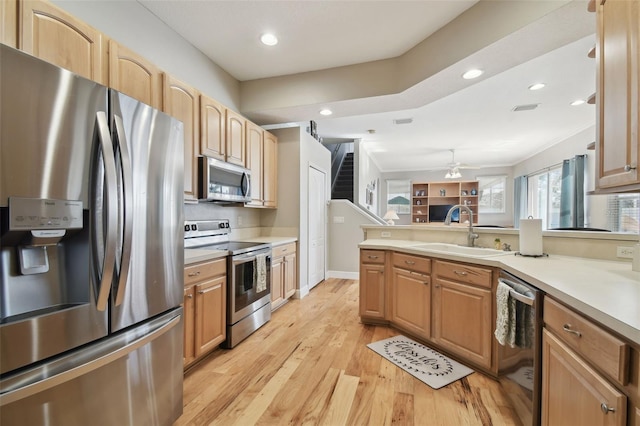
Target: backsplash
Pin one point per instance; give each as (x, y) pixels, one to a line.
(239, 217)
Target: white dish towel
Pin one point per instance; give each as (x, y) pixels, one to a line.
(506, 316)
(260, 269)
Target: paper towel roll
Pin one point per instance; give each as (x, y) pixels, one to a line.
(531, 237)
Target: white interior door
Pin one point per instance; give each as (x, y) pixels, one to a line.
(317, 230)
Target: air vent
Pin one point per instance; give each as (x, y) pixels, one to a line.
(403, 121)
(528, 107)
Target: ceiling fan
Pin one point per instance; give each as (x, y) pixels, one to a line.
(454, 167)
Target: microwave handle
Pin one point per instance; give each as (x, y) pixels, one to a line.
(245, 184)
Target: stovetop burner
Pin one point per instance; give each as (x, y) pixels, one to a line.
(214, 235)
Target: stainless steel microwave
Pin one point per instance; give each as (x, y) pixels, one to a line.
(223, 182)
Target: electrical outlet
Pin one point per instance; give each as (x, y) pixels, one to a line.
(625, 252)
(385, 234)
(239, 220)
(338, 219)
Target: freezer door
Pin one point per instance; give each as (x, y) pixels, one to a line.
(150, 255)
(132, 378)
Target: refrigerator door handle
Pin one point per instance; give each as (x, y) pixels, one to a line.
(127, 184)
(102, 131)
(102, 359)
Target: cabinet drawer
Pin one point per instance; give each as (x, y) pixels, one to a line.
(589, 340)
(201, 271)
(464, 273)
(283, 250)
(372, 256)
(412, 263)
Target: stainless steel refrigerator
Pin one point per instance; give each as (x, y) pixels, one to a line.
(91, 252)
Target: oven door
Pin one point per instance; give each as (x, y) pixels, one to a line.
(247, 291)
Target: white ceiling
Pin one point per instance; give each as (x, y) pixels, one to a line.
(475, 119)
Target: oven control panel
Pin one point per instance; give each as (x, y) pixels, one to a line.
(206, 228)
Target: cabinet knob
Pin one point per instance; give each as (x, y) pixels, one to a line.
(201, 292)
(372, 257)
(629, 167)
(436, 286)
(194, 274)
(409, 262)
(189, 296)
(463, 273)
(567, 328)
(606, 409)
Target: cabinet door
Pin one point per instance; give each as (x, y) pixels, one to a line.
(411, 301)
(212, 120)
(188, 317)
(210, 314)
(372, 291)
(254, 162)
(9, 21)
(270, 173)
(573, 393)
(462, 320)
(618, 83)
(235, 138)
(182, 101)
(277, 281)
(55, 36)
(134, 76)
(290, 275)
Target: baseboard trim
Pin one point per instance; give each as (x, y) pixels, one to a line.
(347, 275)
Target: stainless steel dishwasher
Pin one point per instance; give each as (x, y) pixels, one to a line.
(519, 368)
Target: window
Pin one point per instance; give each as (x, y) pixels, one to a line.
(623, 213)
(544, 196)
(399, 196)
(492, 194)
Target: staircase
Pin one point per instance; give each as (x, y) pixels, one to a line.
(342, 188)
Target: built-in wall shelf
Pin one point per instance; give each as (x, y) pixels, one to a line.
(430, 201)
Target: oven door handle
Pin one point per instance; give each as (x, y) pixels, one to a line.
(244, 258)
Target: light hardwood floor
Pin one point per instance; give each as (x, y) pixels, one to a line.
(310, 365)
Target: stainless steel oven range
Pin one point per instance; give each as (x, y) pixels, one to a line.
(248, 276)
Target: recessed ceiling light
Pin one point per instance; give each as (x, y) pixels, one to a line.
(472, 74)
(326, 111)
(577, 102)
(536, 86)
(269, 39)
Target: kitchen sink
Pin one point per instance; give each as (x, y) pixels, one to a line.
(461, 250)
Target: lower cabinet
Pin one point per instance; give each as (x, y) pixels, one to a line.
(411, 294)
(461, 306)
(283, 274)
(204, 308)
(574, 393)
(372, 285)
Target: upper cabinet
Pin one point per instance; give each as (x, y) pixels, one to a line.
(270, 170)
(235, 132)
(255, 156)
(133, 75)
(55, 36)
(617, 88)
(9, 23)
(182, 102)
(213, 124)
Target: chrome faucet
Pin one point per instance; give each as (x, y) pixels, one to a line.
(471, 236)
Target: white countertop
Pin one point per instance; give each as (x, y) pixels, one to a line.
(606, 291)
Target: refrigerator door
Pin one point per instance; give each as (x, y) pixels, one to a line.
(132, 378)
(150, 255)
(48, 118)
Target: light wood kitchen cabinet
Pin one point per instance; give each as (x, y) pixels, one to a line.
(204, 308)
(236, 138)
(270, 170)
(134, 76)
(9, 21)
(411, 294)
(255, 158)
(283, 274)
(213, 141)
(462, 315)
(182, 102)
(372, 285)
(617, 89)
(51, 34)
(574, 393)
